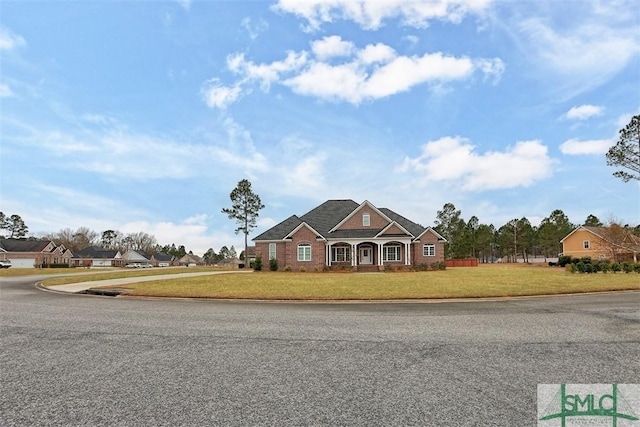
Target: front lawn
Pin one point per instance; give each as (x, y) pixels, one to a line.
(484, 281)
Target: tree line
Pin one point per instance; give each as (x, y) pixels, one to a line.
(14, 227)
(517, 239)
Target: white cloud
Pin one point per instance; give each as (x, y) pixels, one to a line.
(454, 160)
(583, 112)
(371, 14)
(352, 75)
(330, 47)
(9, 40)
(586, 54)
(5, 91)
(577, 147)
(216, 95)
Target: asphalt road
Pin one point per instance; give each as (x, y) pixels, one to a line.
(85, 360)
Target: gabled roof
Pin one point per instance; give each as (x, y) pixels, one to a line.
(96, 252)
(597, 231)
(161, 256)
(303, 224)
(20, 245)
(281, 230)
(325, 218)
(329, 214)
(353, 212)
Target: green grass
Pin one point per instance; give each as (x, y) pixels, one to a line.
(483, 281)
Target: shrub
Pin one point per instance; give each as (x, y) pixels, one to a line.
(421, 267)
(257, 263)
(580, 266)
(302, 269)
(388, 268)
(615, 267)
(605, 266)
(589, 268)
(564, 260)
(442, 265)
(273, 264)
(570, 267)
(627, 267)
(636, 267)
(287, 268)
(586, 259)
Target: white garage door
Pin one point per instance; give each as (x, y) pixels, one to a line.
(22, 262)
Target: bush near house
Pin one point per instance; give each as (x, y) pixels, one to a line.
(588, 266)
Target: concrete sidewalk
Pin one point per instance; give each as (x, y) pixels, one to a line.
(83, 286)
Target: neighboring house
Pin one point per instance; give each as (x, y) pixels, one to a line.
(161, 259)
(345, 234)
(598, 244)
(26, 253)
(139, 257)
(96, 256)
(190, 259)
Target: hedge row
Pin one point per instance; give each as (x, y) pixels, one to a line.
(587, 265)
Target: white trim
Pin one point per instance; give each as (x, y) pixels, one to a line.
(365, 203)
(431, 245)
(380, 234)
(397, 249)
(433, 231)
(305, 245)
(304, 224)
(370, 249)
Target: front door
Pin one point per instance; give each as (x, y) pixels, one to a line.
(366, 255)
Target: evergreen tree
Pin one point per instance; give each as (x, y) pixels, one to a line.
(626, 152)
(245, 208)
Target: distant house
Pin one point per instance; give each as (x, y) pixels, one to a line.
(96, 256)
(345, 234)
(139, 257)
(598, 243)
(26, 253)
(190, 259)
(161, 259)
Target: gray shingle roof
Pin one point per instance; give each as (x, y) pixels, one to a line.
(95, 252)
(326, 216)
(19, 245)
(279, 231)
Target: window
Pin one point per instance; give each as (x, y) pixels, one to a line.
(304, 252)
(429, 250)
(585, 244)
(391, 253)
(366, 220)
(340, 253)
(272, 251)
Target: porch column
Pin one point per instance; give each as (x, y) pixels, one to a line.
(354, 254)
(407, 257)
(327, 255)
(379, 254)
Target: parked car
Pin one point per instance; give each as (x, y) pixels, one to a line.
(5, 263)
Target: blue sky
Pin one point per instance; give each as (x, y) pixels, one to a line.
(144, 115)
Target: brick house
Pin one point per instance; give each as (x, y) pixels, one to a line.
(95, 256)
(345, 234)
(29, 253)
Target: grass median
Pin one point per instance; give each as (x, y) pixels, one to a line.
(471, 282)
